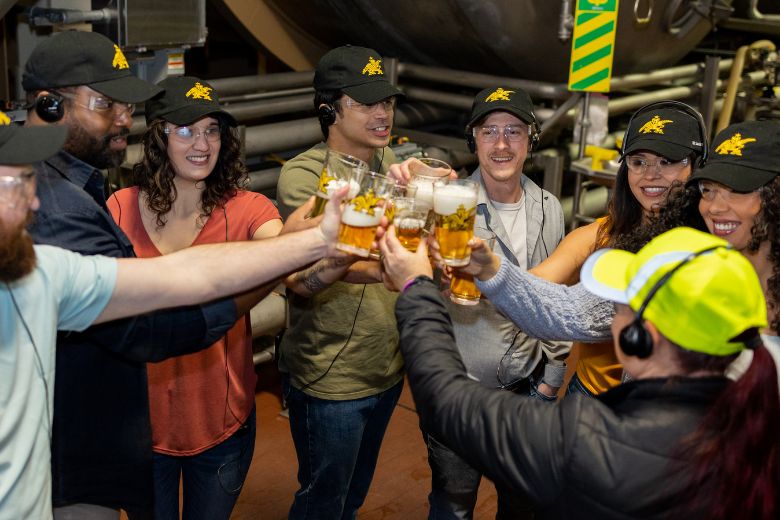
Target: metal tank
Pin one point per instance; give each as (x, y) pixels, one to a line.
(520, 38)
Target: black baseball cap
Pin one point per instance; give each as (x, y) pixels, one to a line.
(73, 58)
(355, 71)
(669, 132)
(28, 144)
(513, 100)
(184, 100)
(744, 157)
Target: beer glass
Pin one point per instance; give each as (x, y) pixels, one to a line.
(424, 172)
(454, 208)
(336, 172)
(399, 196)
(409, 225)
(363, 212)
(463, 290)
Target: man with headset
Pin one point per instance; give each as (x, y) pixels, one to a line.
(528, 224)
(101, 435)
(343, 371)
(43, 288)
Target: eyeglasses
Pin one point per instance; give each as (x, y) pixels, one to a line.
(102, 105)
(388, 105)
(639, 165)
(709, 190)
(17, 189)
(189, 134)
(489, 134)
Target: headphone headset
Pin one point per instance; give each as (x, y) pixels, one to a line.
(635, 339)
(326, 114)
(50, 107)
(682, 107)
(534, 135)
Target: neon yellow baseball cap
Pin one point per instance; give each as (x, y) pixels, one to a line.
(702, 306)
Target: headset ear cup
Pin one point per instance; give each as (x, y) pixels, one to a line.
(326, 115)
(469, 135)
(635, 340)
(534, 138)
(49, 107)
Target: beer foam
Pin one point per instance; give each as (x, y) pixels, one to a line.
(336, 184)
(409, 223)
(447, 198)
(360, 218)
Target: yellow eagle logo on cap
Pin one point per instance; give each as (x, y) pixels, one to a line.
(597, 2)
(199, 91)
(4, 119)
(499, 95)
(119, 62)
(654, 126)
(373, 67)
(734, 145)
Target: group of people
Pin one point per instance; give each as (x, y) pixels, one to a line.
(672, 291)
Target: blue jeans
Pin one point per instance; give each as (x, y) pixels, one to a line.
(576, 387)
(212, 479)
(337, 443)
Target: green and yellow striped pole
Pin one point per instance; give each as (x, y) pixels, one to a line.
(593, 45)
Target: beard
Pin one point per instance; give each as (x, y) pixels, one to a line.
(17, 256)
(94, 151)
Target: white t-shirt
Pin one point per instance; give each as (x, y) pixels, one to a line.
(513, 219)
(66, 291)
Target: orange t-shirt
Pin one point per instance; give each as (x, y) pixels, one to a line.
(198, 400)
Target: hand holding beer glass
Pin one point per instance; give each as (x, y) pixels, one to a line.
(455, 209)
(409, 224)
(363, 212)
(336, 172)
(463, 290)
(424, 173)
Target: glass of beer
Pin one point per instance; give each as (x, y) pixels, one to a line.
(454, 208)
(363, 212)
(425, 172)
(409, 225)
(399, 197)
(463, 290)
(336, 172)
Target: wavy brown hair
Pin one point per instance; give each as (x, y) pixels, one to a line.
(154, 174)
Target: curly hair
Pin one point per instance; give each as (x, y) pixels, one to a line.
(154, 174)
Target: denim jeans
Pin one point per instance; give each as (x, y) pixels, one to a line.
(212, 479)
(337, 443)
(576, 387)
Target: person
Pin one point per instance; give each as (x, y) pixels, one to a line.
(101, 452)
(339, 357)
(686, 304)
(187, 192)
(43, 288)
(528, 224)
(663, 144)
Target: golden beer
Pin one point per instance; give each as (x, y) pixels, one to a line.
(409, 227)
(319, 205)
(463, 290)
(337, 171)
(363, 214)
(455, 209)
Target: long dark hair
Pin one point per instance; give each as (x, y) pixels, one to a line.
(735, 470)
(154, 174)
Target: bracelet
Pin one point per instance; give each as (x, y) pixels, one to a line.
(416, 280)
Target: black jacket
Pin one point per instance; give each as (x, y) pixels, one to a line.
(611, 457)
(101, 434)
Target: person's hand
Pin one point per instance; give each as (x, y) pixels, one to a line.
(331, 220)
(400, 173)
(483, 264)
(402, 265)
(297, 220)
(547, 390)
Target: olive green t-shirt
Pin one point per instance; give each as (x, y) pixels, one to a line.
(355, 322)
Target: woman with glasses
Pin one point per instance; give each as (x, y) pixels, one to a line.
(188, 193)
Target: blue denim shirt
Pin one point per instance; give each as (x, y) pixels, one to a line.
(101, 435)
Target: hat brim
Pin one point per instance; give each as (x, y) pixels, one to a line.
(739, 178)
(672, 151)
(604, 274)
(372, 92)
(485, 110)
(127, 89)
(30, 144)
(190, 114)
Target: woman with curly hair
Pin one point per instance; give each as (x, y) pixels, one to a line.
(188, 192)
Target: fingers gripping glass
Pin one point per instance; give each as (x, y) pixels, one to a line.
(387, 104)
(189, 134)
(489, 134)
(639, 165)
(16, 191)
(101, 104)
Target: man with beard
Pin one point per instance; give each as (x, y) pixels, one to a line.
(43, 288)
(101, 434)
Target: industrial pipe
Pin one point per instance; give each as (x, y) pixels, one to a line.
(631, 81)
(44, 16)
(755, 14)
(277, 81)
